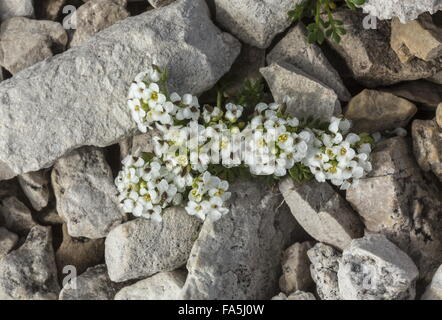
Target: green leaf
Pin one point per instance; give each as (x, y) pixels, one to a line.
(300, 173)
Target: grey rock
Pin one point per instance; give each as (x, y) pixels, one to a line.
(17, 216)
(24, 42)
(434, 289)
(8, 240)
(94, 16)
(29, 273)
(324, 271)
(93, 284)
(296, 50)
(35, 186)
(397, 200)
(322, 212)
(49, 216)
(237, 257)
(162, 286)
(371, 59)
(373, 268)
(85, 193)
(439, 115)
(47, 94)
(122, 3)
(160, 3)
(405, 10)
(16, 8)
(255, 22)
(49, 9)
(304, 95)
(142, 247)
(141, 142)
(297, 295)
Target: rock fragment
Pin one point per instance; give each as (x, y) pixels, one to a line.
(16, 215)
(35, 185)
(16, 8)
(297, 295)
(434, 289)
(7, 241)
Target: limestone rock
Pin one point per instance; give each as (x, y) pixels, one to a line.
(29, 273)
(373, 268)
(94, 16)
(7, 241)
(324, 271)
(49, 216)
(141, 142)
(296, 50)
(322, 212)
(297, 295)
(160, 3)
(434, 289)
(17, 216)
(16, 8)
(142, 247)
(94, 284)
(237, 257)
(371, 59)
(47, 93)
(397, 200)
(24, 42)
(162, 286)
(296, 268)
(49, 9)
(255, 22)
(35, 186)
(85, 193)
(304, 95)
(373, 111)
(439, 115)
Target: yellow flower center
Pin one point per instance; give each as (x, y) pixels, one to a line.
(147, 197)
(283, 137)
(154, 95)
(343, 152)
(332, 170)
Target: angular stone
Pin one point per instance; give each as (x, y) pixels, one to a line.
(122, 3)
(373, 111)
(322, 212)
(29, 273)
(35, 186)
(397, 200)
(439, 115)
(373, 268)
(369, 56)
(49, 216)
(142, 247)
(8, 240)
(297, 295)
(26, 42)
(49, 9)
(324, 271)
(86, 194)
(162, 286)
(308, 58)
(78, 252)
(434, 289)
(94, 16)
(141, 142)
(16, 8)
(94, 284)
(304, 95)
(255, 22)
(17, 216)
(237, 257)
(160, 3)
(47, 94)
(296, 268)
(405, 10)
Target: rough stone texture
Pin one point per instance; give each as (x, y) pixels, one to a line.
(94, 16)
(122, 3)
(439, 115)
(24, 42)
(427, 146)
(49, 9)
(420, 38)
(85, 193)
(324, 271)
(160, 3)
(298, 295)
(7, 241)
(397, 200)
(434, 289)
(304, 95)
(373, 268)
(142, 247)
(29, 273)
(255, 22)
(16, 215)
(296, 50)
(142, 142)
(162, 286)
(296, 268)
(16, 8)
(47, 93)
(35, 186)
(78, 252)
(405, 10)
(369, 56)
(94, 284)
(49, 216)
(322, 212)
(238, 256)
(373, 111)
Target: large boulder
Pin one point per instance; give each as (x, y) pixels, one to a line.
(434, 289)
(16, 8)
(79, 97)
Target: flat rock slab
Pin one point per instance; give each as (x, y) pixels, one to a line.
(79, 97)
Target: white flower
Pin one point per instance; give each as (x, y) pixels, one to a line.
(234, 112)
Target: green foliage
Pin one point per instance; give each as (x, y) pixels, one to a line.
(251, 93)
(300, 173)
(312, 123)
(322, 28)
